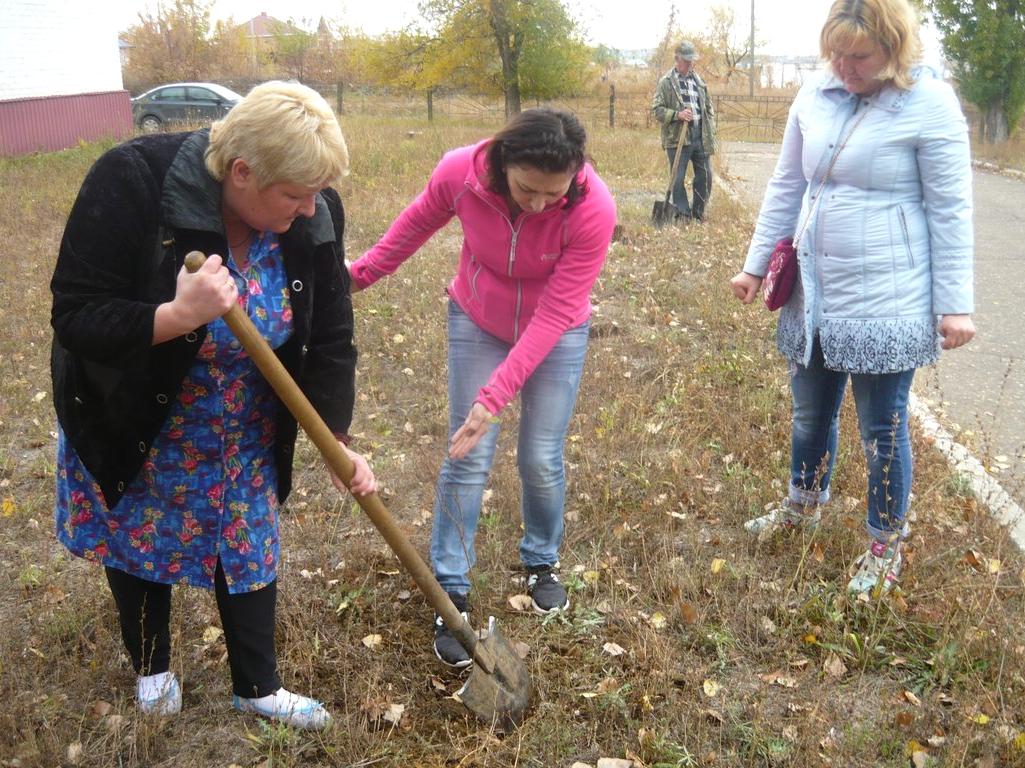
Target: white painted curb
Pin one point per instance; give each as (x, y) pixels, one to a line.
(989, 492)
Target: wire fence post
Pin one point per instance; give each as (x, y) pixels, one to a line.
(339, 98)
(430, 105)
(612, 105)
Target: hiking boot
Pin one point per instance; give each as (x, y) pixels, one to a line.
(158, 694)
(783, 516)
(880, 565)
(287, 707)
(447, 648)
(547, 595)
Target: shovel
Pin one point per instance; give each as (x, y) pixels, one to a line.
(498, 689)
(664, 212)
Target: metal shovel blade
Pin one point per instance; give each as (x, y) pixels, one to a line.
(663, 213)
(501, 696)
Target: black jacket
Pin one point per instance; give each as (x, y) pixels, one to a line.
(142, 207)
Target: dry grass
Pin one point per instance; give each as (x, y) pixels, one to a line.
(1007, 154)
(680, 435)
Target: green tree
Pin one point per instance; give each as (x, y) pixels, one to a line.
(539, 51)
(985, 42)
(294, 49)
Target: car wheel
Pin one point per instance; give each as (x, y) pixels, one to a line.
(150, 124)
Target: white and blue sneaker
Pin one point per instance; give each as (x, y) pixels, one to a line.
(158, 694)
(286, 707)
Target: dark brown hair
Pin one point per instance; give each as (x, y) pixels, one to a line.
(549, 140)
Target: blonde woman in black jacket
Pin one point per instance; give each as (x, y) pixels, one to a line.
(174, 454)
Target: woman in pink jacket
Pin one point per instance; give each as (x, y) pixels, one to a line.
(536, 222)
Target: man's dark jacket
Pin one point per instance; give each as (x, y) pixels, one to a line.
(142, 207)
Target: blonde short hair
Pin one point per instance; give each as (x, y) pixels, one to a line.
(285, 132)
(891, 24)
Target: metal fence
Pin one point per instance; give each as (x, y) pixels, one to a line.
(740, 117)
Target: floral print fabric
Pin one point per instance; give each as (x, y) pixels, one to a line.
(208, 487)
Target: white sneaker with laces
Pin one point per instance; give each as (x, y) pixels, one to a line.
(286, 707)
(158, 694)
(880, 565)
(782, 516)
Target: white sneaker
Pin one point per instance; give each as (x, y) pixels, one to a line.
(782, 516)
(879, 566)
(158, 694)
(286, 707)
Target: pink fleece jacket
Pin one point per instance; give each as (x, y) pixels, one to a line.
(526, 282)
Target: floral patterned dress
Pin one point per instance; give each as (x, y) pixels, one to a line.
(208, 487)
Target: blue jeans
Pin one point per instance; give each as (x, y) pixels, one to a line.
(692, 153)
(882, 405)
(547, 401)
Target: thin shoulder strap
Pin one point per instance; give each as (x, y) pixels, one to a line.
(828, 174)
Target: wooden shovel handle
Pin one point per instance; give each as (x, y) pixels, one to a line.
(296, 402)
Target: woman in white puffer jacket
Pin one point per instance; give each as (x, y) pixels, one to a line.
(875, 175)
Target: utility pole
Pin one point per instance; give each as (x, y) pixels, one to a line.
(751, 72)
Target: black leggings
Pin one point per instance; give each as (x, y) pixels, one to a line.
(144, 610)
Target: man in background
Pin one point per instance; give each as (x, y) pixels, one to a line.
(687, 116)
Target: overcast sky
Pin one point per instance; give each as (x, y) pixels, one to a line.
(782, 25)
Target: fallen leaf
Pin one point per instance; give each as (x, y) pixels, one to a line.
(717, 564)
(1019, 742)
(590, 577)
(438, 685)
(114, 723)
(921, 759)
(521, 648)
(372, 641)
(904, 719)
(7, 507)
(403, 595)
(974, 558)
(606, 685)
(714, 715)
(39, 396)
(810, 639)
(657, 620)
(912, 698)
(613, 649)
(74, 753)
(581, 765)
(980, 719)
(937, 741)
(614, 762)
(767, 625)
(101, 708)
(688, 613)
(818, 552)
(520, 602)
(834, 666)
(993, 566)
(711, 688)
(394, 712)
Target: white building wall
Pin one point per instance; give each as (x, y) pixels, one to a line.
(57, 48)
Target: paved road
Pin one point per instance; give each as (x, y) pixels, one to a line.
(980, 387)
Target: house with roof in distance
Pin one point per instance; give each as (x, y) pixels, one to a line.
(60, 76)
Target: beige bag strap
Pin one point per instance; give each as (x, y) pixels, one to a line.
(829, 173)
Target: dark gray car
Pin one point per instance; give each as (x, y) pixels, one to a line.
(177, 104)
